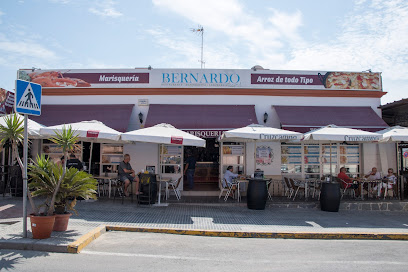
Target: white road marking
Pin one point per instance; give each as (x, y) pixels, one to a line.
(5, 207)
(292, 261)
(314, 224)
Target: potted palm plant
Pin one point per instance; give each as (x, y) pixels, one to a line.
(42, 223)
(49, 179)
(45, 175)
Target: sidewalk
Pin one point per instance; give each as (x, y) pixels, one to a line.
(278, 220)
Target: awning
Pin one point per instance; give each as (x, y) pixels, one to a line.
(206, 121)
(114, 116)
(304, 118)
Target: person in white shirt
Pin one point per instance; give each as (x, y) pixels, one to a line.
(388, 181)
(373, 174)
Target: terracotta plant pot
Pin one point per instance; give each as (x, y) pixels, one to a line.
(41, 226)
(61, 221)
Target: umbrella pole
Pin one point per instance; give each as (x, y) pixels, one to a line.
(330, 161)
(90, 159)
(254, 157)
(160, 170)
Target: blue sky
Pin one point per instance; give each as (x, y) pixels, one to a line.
(346, 35)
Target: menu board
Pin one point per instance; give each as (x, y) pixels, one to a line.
(171, 150)
(326, 149)
(353, 159)
(291, 159)
(311, 149)
(326, 159)
(264, 155)
(287, 149)
(312, 159)
(233, 150)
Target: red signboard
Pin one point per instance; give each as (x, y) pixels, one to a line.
(92, 133)
(176, 140)
(405, 154)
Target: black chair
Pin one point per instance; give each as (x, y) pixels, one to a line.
(147, 189)
(14, 181)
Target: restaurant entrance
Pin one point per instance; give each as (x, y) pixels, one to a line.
(207, 167)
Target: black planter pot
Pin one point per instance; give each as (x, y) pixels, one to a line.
(257, 194)
(330, 196)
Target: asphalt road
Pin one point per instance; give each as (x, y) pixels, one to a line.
(124, 251)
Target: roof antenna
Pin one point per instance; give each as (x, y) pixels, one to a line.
(200, 31)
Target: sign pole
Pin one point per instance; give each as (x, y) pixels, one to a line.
(27, 101)
(25, 190)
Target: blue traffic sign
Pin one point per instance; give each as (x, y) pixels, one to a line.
(28, 97)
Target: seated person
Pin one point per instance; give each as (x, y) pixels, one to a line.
(74, 162)
(343, 176)
(373, 174)
(228, 178)
(388, 181)
(127, 174)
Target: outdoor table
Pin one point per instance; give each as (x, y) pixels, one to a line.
(239, 181)
(165, 180)
(361, 181)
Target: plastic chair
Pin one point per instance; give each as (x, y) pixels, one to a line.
(221, 186)
(289, 187)
(346, 186)
(394, 189)
(268, 185)
(174, 185)
(296, 186)
(232, 186)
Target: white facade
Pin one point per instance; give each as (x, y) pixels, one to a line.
(382, 156)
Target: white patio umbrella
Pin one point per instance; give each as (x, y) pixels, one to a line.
(332, 134)
(259, 133)
(33, 126)
(394, 134)
(163, 134)
(90, 131)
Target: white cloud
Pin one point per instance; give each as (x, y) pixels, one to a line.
(106, 9)
(24, 48)
(60, 1)
(186, 51)
(372, 37)
(261, 37)
(1, 14)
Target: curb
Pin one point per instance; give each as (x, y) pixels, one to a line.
(31, 244)
(86, 239)
(280, 235)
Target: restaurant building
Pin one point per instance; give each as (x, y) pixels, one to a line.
(206, 102)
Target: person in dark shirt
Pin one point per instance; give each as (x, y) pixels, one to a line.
(74, 162)
(189, 169)
(127, 174)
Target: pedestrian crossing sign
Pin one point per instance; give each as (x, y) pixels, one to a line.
(28, 97)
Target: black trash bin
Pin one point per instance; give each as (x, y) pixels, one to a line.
(148, 189)
(257, 194)
(330, 196)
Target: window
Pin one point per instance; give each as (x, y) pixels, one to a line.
(233, 154)
(317, 159)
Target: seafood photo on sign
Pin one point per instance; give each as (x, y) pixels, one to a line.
(52, 79)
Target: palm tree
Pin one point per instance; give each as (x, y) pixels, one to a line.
(13, 132)
(67, 139)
